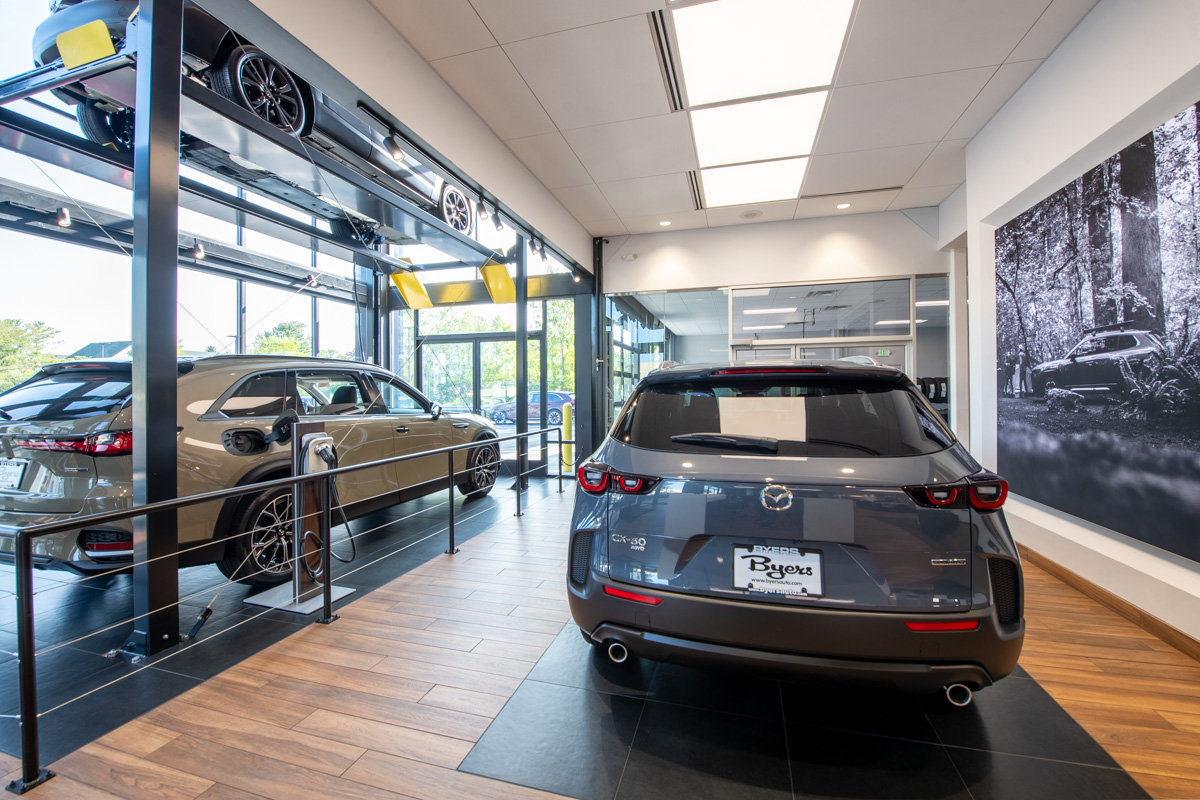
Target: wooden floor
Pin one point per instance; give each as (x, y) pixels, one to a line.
(388, 700)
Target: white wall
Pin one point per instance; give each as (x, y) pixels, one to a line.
(1127, 68)
(361, 44)
(794, 251)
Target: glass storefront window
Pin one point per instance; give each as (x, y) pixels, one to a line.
(207, 316)
(336, 332)
(278, 321)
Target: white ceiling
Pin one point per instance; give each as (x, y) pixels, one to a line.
(575, 88)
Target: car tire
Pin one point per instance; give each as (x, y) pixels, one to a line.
(264, 87)
(360, 232)
(260, 549)
(554, 417)
(499, 417)
(456, 210)
(114, 130)
(483, 463)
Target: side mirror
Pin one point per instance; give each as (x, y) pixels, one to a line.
(436, 410)
(281, 428)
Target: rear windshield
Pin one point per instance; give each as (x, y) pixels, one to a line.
(67, 395)
(784, 418)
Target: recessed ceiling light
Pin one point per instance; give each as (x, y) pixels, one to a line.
(843, 205)
(758, 131)
(629, 257)
(763, 327)
(753, 183)
(922, 303)
(791, 310)
(753, 213)
(665, 223)
(750, 48)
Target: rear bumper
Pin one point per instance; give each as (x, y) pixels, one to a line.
(817, 645)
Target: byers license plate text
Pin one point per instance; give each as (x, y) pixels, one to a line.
(778, 570)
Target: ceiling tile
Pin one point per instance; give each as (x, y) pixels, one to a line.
(585, 202)
(890, 40)
(680, 221)
(864, 203)
(593, 75)
(490, 84)
(732, 215)
(945, 166)
(635, 148)
(437, 30)
(605, 227)
(661, 194)
(1051, 28)
(511, 21)
(551, 159)
(894, 113)
(1003, 85)
(867, 169)
(919, 198)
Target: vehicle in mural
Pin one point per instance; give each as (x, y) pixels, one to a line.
(1099, 363)
(811, 520)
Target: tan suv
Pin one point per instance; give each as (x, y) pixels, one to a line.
(66, 445)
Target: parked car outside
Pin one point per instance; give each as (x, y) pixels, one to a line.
(237, 69)
(1095, 364)
(810, 520)
(66, 443)
(507, 412)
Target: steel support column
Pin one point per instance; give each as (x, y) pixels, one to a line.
(585, 378)
(155, 276)
(522, 399)
(601, 353)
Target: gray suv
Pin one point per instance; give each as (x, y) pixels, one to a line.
(66, 451)
(811, 520)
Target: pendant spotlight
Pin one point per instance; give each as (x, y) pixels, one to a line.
(499, 222)
(533, 246)
(64, 217)
(545, 257)
(481, 211)
(197, 250)
(393, 147)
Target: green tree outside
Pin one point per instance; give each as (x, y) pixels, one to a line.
(23, 349)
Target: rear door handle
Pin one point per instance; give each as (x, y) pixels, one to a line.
(401, 430)
(461, 424)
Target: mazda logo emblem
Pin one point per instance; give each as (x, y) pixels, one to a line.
(776, 497)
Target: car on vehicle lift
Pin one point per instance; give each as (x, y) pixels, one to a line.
(66, 451)
(815, 521)
(235, 68)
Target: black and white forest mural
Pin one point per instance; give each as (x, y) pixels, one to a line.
(1098, 343)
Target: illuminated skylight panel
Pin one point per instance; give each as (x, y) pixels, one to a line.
(749, 48)
(759, 130)
(753, 183)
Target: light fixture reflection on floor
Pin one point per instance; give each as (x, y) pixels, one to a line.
(64, 217)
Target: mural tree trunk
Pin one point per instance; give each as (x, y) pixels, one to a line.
(1097, 211)
(1141, 257)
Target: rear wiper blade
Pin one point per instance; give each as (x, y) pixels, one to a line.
(731, 440)
(850, 445)
(4, 414)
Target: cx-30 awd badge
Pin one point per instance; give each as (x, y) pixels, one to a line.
(775, 497)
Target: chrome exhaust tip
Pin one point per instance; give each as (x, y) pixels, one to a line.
(959, 695)
(617, 652)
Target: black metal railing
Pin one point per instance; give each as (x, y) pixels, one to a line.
(32, 774)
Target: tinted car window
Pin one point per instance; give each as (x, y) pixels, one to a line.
(827, 418)
(267, 394)
(67, 396)
(330, 393)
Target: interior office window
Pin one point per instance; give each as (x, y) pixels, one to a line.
(278, 321)
(835, 310)
(206, 316)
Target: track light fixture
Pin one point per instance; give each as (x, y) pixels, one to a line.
(481, 211)
(64, 217)
(544, 256)
(533, 246)
(499, 222)
(393, 147)
(575, 274)
(197, 249)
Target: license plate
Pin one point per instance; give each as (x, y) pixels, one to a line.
(777, 570)
(11, 473)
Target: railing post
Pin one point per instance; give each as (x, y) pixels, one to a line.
(325, 530)
(561, 462)
(450, 497)
(31, 772)
(521, 442)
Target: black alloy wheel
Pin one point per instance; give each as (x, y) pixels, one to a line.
(483, 463)
(263, 86)
(456, 210)
(260, 551)
(113, 129)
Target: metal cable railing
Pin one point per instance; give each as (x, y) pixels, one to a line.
(23, 538)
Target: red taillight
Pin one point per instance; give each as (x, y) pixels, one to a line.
(98, 444)
(989, 495)
(963, 625)
(630, 484)
(98, 547)
(592, 480)
(634, 596)
(943, 496)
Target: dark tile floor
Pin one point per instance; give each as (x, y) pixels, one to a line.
(582, 726)
(83, 694)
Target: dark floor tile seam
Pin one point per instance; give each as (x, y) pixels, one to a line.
(1117, 768)
(629, 752)
(938, 743)
(787, 744)
(937, 734)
